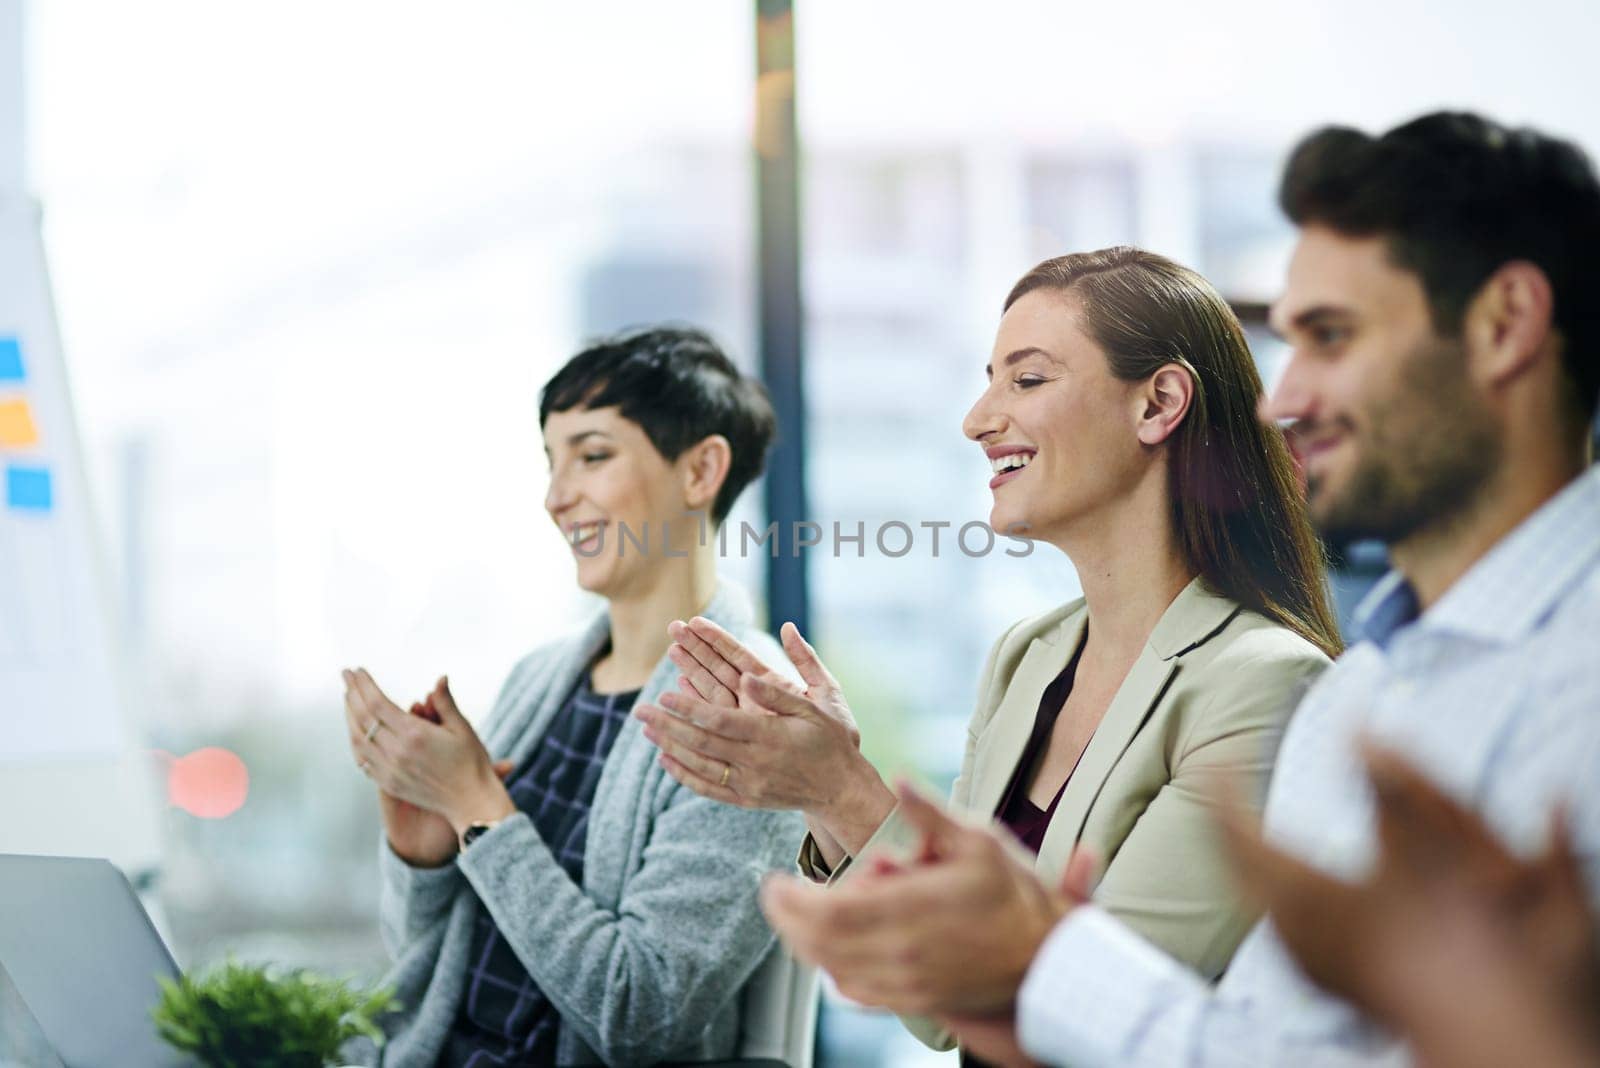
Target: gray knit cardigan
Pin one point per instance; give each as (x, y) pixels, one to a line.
(645, 960)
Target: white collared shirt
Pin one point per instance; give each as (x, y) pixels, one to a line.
(1494, 692)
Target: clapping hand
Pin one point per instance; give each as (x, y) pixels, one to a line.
(739, 733)
(949, 932)
(433, 775)
(1474, 954)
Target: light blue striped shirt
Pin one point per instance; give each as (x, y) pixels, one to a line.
(1494, 692)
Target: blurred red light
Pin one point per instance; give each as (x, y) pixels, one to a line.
(210, 783)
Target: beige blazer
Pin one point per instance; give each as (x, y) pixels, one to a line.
(1209, 697)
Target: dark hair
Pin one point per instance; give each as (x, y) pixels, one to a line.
(1237, 509)
(1457, 196)
(680, 388)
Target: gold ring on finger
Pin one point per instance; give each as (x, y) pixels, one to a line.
(372, 731)
(727, 769)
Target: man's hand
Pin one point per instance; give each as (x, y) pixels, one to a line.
(948, 932)
(1473, 953)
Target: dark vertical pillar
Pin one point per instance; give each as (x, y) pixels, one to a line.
(780, 318)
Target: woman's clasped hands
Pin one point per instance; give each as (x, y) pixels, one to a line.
(433, 774)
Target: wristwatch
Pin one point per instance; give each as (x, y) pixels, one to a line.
(474, 831)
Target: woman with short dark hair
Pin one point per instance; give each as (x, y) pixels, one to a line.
(569, 903)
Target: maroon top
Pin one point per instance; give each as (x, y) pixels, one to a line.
(1025, 819)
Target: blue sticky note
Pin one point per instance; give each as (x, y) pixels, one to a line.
(29, 489)
(10, 360)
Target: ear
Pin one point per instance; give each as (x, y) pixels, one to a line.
(1164, 401)
(1508, 325)
(704, 466)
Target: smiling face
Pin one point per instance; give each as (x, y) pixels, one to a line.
(1393, 436)
(1059, 429)
(605, 474)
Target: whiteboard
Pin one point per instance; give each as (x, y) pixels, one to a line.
(56, 674)
(67, 752)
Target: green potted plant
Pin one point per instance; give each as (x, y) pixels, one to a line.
(251, 1016)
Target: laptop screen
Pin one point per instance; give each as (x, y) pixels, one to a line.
(82, 957)
(22, 1041)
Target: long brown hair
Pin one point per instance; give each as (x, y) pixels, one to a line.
(1237, 508)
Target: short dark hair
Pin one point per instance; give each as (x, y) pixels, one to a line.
(680, 388)
(1458, 196)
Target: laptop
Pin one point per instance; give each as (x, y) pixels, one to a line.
(22, 1041)
(83, 957)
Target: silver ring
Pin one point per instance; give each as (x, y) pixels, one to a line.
(372, 731)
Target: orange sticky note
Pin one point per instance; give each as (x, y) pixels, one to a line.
(17, 430)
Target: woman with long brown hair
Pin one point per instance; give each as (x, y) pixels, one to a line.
(1120, 425)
